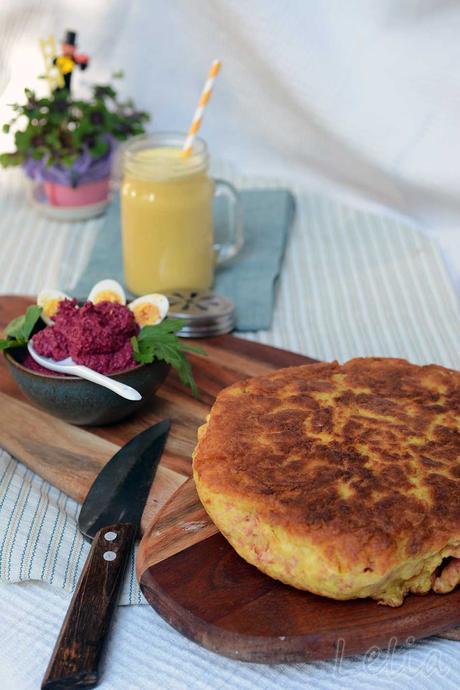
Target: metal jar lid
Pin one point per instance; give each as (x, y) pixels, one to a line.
(206, 312)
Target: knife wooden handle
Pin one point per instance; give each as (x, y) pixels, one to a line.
(76, 655)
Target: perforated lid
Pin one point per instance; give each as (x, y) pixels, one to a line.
(206, 312)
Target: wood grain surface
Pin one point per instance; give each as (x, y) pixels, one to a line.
(193, 577)
(189, 573)
(77, 653)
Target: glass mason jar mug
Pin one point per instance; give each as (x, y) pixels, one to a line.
(166, 216)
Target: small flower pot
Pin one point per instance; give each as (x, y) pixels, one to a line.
(82, 195)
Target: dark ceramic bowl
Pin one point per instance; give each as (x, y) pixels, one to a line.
(81, 402)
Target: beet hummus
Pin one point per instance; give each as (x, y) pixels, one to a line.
(95, 335)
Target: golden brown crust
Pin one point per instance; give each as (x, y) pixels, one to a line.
(364, 457)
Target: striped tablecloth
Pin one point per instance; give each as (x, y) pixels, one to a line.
(352, 284)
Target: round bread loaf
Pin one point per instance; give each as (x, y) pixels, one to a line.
(343, 480)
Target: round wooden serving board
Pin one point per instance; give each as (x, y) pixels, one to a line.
(197, 582)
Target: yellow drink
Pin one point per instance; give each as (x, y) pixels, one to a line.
(166, 218)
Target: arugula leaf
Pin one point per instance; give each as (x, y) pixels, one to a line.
(161, 342)
(20, 328)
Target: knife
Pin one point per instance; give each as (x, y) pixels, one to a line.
(109, 517)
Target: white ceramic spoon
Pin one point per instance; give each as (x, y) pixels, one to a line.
(68, 366)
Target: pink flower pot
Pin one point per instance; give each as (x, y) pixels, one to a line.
(82, 195)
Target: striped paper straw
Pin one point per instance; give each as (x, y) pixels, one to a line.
(198, 117)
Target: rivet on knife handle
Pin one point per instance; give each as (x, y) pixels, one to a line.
(77, 653)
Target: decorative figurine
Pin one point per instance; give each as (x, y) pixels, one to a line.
(69, 59)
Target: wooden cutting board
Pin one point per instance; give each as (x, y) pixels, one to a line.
(192, 576)
(189, 573)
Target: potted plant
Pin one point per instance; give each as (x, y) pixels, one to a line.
(68, 143)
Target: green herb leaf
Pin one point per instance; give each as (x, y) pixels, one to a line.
(161, 342)
(135, 345)
(32, 315)
(20, 328)
(8, 343)
(165, 328)
(14, 328)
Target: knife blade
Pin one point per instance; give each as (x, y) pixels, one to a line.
(109, 517)
(120, 490)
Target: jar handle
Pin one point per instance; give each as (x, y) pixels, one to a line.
(225, 251)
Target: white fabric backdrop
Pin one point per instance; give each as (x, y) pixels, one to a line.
(362, 95)
(359, 98)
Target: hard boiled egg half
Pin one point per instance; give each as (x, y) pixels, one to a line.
(149, 310)
(107, 291)
(49, 301)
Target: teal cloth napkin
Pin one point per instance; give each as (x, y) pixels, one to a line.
(249, 280)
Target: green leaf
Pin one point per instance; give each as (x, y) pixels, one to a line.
(166, 327)
(135, 345)
(11, 159)
(8, 343)
(99, 149)
(38, 154)
(144, 358)
(20, 328)
(22, 139)
(52, 139)
(14, 328)
(32, 315)
(68, 161)
(161, 342)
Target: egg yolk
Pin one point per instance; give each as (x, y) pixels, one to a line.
(146, 314)
(106, 296)
(50, 307)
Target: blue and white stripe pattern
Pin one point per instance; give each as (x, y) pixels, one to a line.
(39, 537)
(352, 284)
